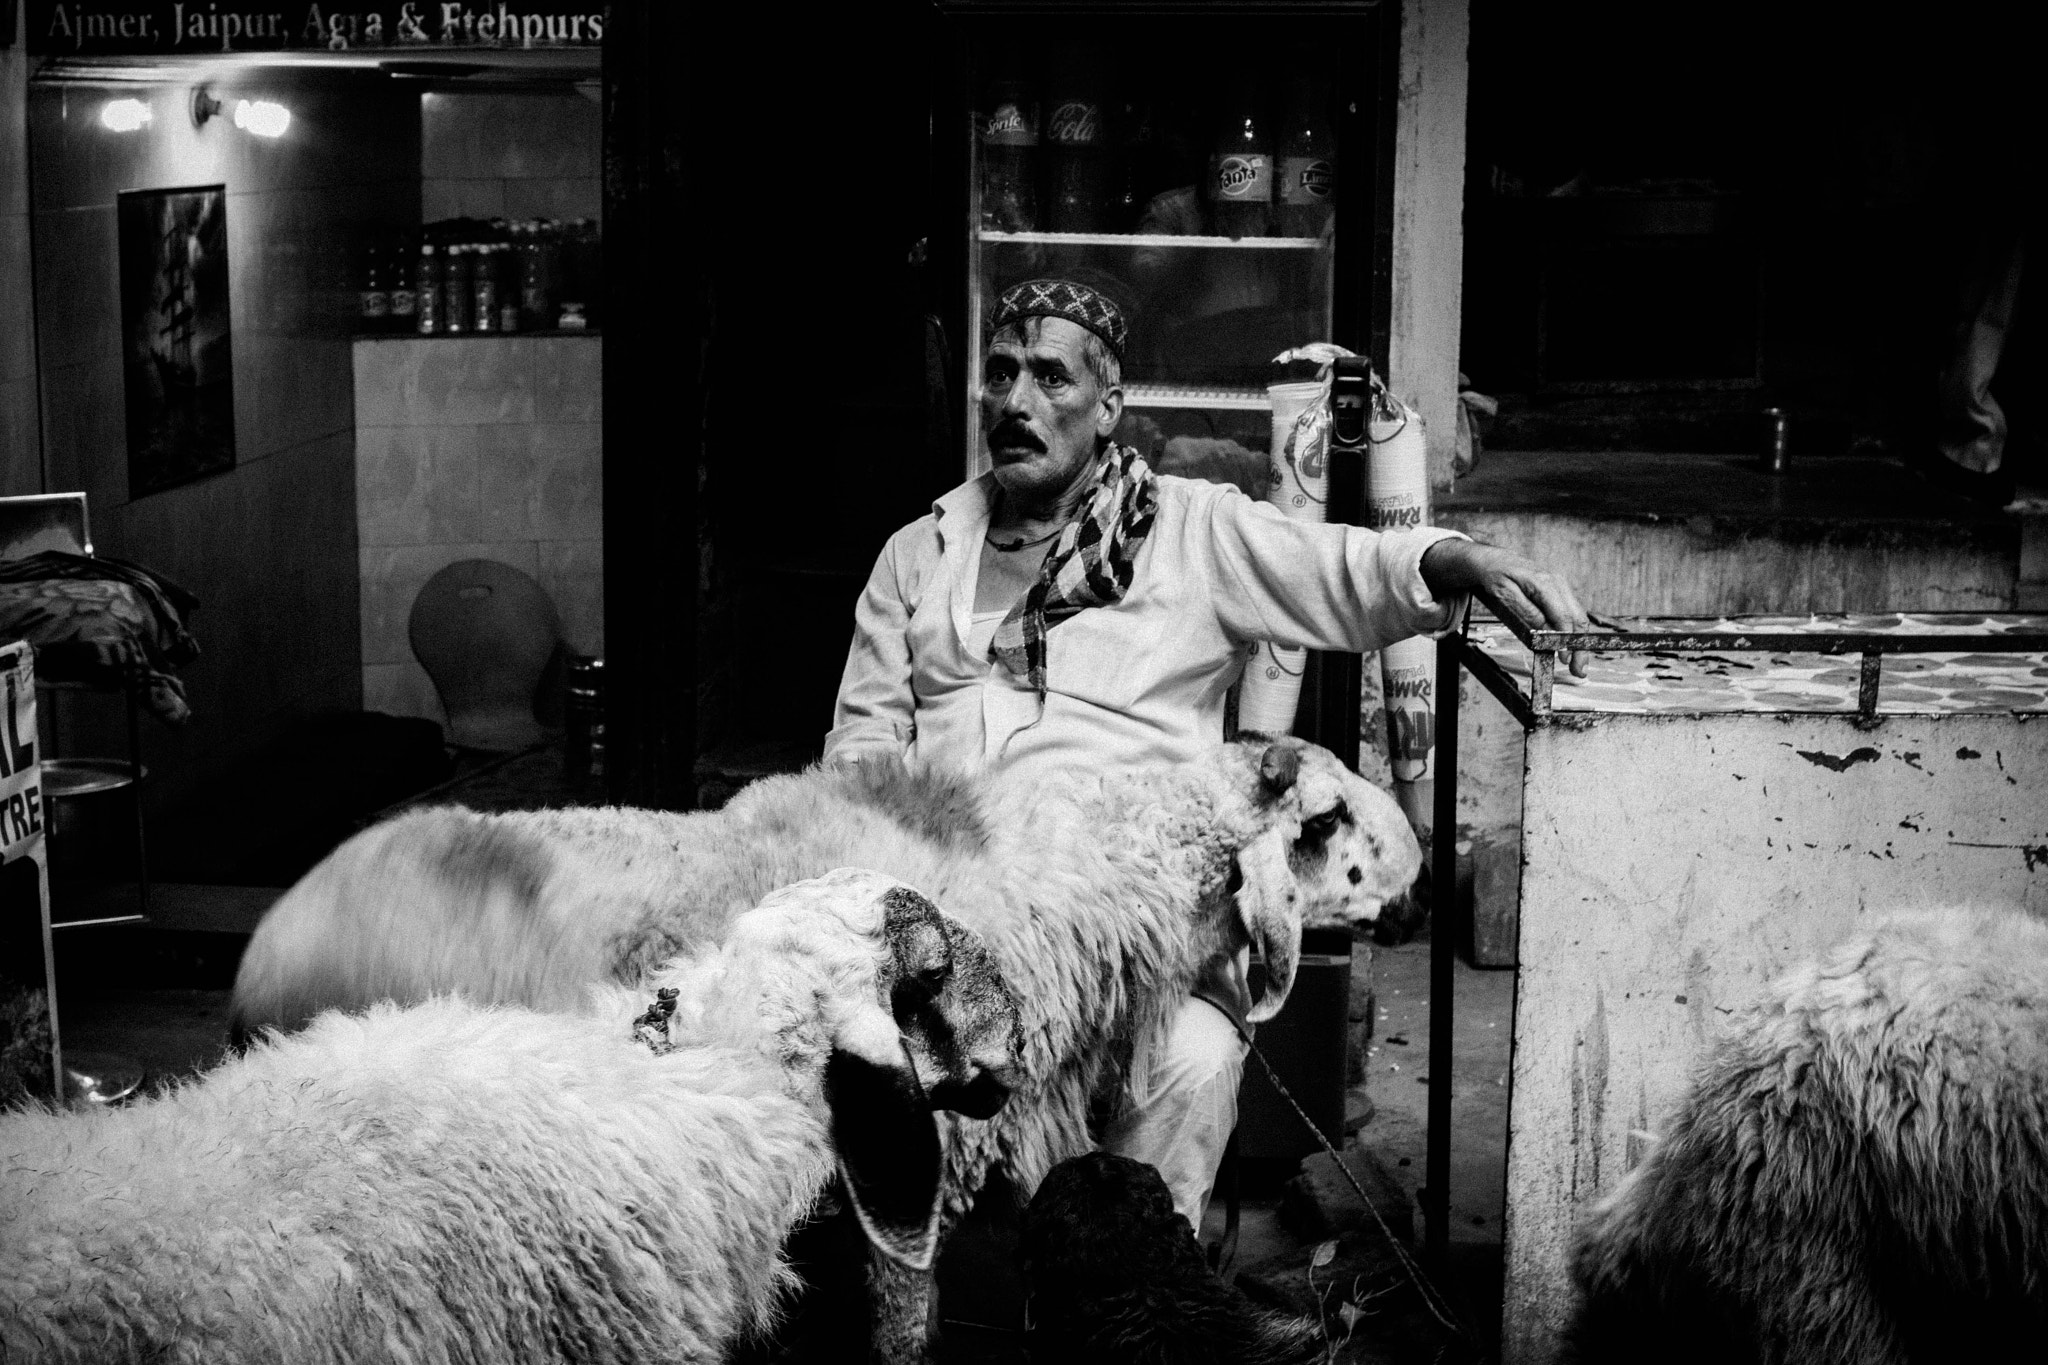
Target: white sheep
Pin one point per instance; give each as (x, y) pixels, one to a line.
(1859, 1174)
(1100, 899)
(455, 1182)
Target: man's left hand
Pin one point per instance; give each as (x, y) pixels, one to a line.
(1540, 598)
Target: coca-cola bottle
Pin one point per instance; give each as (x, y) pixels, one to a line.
(1079, 170)
(1009, 158)
(1308, 163)
(1241, 167)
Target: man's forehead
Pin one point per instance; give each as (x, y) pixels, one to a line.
(1045, 339)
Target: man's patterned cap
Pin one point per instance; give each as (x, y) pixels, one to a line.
(1077, 303)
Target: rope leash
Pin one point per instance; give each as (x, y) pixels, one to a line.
(1432, 1298)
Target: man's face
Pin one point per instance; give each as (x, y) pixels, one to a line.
(1041, 409)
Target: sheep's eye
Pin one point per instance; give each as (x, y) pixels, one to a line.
(1320, 827)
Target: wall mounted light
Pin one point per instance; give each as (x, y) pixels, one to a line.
(125, 116)
(264, 118)
(204, 106)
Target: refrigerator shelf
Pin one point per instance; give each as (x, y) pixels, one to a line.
(1148, 239)
(1210, 396)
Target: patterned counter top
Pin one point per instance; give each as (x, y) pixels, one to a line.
(1671, 681)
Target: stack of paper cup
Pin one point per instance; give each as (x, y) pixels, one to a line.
(1397, 499)
(1298, 485)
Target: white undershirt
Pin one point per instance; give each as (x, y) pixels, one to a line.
(981, 632)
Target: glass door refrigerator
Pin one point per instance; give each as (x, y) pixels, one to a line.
(1218, 169)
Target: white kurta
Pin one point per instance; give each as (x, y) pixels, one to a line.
(1134, 684)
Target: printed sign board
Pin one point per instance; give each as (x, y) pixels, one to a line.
(152, 28)
(29, 1059)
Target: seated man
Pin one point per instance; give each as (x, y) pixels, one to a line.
(1157, 586)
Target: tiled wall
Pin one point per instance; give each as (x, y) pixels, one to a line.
(20, 442)
(509, 156)
(474, 448)
(269, 547)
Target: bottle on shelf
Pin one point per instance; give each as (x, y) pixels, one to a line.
(1308, 162)
(404, 289)
(1009, 158)
(483, 287)
(373, 297)
(458, 290)
(510, 310)
(1080, 184)
(428, 292)
(539, 268)
(582, 274)
(1241, 165)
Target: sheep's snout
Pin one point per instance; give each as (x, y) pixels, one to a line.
(979, 1098)
(956, 1012)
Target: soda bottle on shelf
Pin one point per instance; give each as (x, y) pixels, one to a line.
(1241, 166)
(505, 260)
(582, 272)
(1077, 154)
(511, 275)
(1009, 159)
(427, 290)
(538, 270)
(458, 290)
(483, 287)
(404, 293)
(373, 298)
(1308, 162)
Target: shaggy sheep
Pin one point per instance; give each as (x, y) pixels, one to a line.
(454, 1182)
(1101, 900)
(1115, 1274)
(1859, 1175)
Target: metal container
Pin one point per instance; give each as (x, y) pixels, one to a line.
(1777, 451)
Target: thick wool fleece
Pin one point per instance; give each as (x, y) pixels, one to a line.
(1100, 900)
(452, 1182)
(1859, 1174)
(438, 1183)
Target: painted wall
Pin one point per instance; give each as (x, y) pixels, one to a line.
(1674, 865)
(269, 546)
(474, 448)
(510, 156)
(1429, 219)
(20, 443)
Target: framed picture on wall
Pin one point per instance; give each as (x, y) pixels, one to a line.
(178, 364)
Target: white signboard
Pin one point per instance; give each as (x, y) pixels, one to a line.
(29, 1058)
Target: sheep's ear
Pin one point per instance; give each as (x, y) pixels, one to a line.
(888, 1152)
(1269, 906)
(1278, 767)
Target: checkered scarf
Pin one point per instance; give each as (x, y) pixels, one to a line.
(1090, 564)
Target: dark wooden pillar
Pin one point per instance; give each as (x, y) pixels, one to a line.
(654, 298)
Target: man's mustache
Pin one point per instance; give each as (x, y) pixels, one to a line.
(1011, 432)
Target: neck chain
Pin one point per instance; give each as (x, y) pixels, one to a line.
(1006, 546)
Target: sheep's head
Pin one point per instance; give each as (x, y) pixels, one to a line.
(902, 1010)
(1327, 848)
